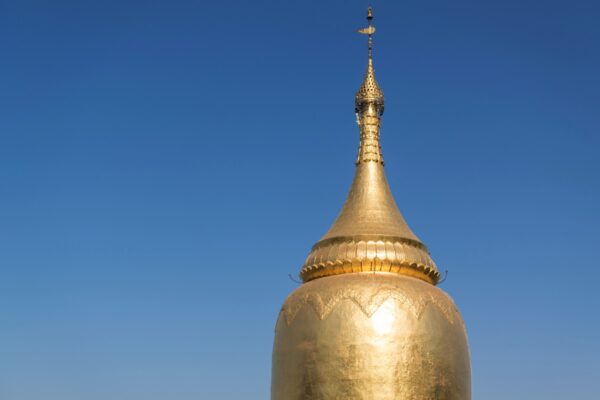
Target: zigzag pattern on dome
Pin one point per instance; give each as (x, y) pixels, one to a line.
(326, 298)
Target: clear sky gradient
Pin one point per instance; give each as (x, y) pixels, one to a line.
(164, 165)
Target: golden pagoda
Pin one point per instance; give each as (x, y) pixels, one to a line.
(368, 322)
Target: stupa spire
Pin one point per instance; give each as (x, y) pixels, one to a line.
(368, 322)
(370, 233)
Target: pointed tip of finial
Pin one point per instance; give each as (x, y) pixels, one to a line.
(369, 31)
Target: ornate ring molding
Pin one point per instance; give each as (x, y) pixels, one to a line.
(367, 254)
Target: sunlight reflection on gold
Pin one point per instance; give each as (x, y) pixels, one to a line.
(384, 317)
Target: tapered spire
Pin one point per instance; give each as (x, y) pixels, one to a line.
(370, 233)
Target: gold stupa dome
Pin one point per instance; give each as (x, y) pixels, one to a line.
(369, 323)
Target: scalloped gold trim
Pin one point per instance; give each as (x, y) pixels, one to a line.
(369, 254)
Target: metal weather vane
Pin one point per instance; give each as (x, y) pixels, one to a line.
(369, 30)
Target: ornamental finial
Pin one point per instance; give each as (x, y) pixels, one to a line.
(369, 92)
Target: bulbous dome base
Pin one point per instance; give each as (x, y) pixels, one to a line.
(371, 336)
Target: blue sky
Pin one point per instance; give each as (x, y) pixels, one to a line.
(165, 165)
